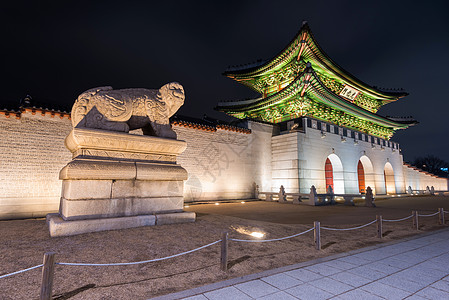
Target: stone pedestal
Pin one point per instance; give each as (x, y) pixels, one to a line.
(118, 180)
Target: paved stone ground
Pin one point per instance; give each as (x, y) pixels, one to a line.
(389, 208)
(413, 268)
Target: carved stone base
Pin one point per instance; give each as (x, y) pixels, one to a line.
(123, 207)
(59, 227)
(114, 176)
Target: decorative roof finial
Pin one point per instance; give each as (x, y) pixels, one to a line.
(26, 101)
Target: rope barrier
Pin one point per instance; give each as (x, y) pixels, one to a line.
(272, 240)
(353, 228)
(216, 242)
(431, 215)
(21, 271)
(398, 220)
(139, 262)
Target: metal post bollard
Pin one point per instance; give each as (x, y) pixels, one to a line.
(316, 235)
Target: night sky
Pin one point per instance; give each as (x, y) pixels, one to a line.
(56, 50)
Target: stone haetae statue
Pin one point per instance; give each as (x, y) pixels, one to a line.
(123, 180)
(313, 196)
(369, 197)
(129, 109)
(281, 194)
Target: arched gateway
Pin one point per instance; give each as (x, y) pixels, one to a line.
(304, 93)
(390, 186)
(333, 169)
(365, 174)
(361, 177)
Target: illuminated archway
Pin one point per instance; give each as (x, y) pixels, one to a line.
(329, 174)
(367, 178)
(390, 185)
(334, 174)
(361, 177)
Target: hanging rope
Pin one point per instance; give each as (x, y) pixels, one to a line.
(21, 271)
(398, 220)
(272, 240)
(139, 262)
(352, 228)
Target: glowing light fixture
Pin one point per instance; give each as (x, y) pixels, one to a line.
(216, 203)
(257, 234)
(243, 202)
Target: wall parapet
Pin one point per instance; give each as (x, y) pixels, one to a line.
(347, 133)
(34, 110)
(422, 171)
(211, 126)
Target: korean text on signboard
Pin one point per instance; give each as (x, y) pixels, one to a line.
(349, 92)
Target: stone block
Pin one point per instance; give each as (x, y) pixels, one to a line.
(60, 227)
(92, 169)
(109, 208)
(175, 218)
(87, 138)
(286, 173)
(86, 189)
(282, 164)
(146, 189)
(155, 171)
(285, 155)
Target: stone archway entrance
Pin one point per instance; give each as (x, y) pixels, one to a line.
(333, 169)
(361, 177)
(390, 186)
(329, 173)
(365, 174)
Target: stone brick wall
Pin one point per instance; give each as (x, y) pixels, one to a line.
(224, 164)
(32, 153)
(304, 167)
(299, 159)
(285, 165)
(419, 181)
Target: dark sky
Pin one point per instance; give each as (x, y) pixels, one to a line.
(56, 50)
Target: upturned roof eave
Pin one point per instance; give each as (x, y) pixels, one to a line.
(339, 103)
(348, 76)
(342, 104)
(248, 71)
(386, 96)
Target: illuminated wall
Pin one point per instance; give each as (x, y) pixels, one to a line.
(285, 167)
(346, 152)
(32, 153)
(222, 164)
(301, 167)
(225, 164)
(419, 180)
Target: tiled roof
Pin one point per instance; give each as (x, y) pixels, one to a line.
(207, 124)
(30, 105)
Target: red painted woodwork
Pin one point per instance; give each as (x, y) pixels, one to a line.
(329, 173)
(361, 175)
